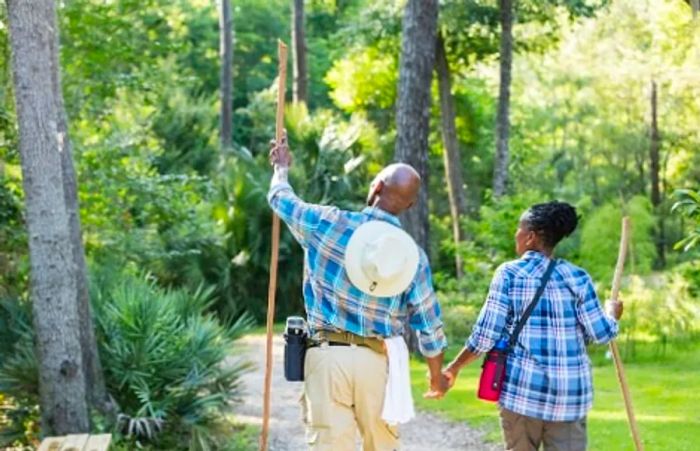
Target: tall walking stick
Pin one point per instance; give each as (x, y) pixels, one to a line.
(274, 255)
(617, 279)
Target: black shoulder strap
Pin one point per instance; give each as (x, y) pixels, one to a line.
(519, 326)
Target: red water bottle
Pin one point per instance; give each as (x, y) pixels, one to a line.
(493, 372)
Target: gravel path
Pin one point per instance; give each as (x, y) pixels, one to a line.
(424, 433)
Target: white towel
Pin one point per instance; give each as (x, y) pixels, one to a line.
(398, 400)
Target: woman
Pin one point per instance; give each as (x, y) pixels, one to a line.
(548, 387)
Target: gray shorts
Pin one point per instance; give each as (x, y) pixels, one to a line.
(523, 433)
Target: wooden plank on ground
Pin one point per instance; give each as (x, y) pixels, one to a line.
(98, 442)
(74, 442)
(51, 444)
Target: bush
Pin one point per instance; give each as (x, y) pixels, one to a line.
(19, 376)
(660, 307)
(165, 363)
(459, 321)
(600, 238)
(688, 205)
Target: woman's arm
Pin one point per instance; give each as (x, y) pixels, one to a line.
(464, 358)
(488, 327)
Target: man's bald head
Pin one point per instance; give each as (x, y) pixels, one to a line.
(395, 188)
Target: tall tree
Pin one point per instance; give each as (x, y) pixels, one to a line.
(54, 289)
(226, 52)
(452, 160)
(500, 170)
(94, 379)
(413, 110)
(299, 88)
(654, 170)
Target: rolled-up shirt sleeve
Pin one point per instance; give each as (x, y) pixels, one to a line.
(598, 326)
(492, 319)
(425, 316)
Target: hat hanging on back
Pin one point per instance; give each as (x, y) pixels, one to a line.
(381, 259)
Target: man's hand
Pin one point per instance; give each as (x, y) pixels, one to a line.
(280, 156)
(450, 373)
(438, 387)
(614, 308)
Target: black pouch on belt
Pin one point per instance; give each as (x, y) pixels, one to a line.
(294, 349)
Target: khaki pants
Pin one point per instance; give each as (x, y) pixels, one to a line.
(523, 433)
(343, 391)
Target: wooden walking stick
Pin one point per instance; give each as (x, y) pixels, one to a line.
(617, 280)
(274, 255)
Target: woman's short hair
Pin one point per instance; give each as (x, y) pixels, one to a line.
(552, 221)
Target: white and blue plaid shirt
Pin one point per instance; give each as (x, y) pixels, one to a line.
(548, 373)
(331, 301)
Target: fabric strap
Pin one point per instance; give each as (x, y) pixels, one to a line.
(519, 326)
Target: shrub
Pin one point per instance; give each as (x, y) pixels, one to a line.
(459, 321)
(601, 235)
(688, 204)
(164, 361)
(662, 308)
(166, 364)
(19, 376)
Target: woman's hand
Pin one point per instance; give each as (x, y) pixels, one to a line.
(438, 387)
(450, 373)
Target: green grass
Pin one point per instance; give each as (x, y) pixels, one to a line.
(666, 395)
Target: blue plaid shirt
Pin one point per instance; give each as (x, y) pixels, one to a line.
(548, 374)
(331, 301)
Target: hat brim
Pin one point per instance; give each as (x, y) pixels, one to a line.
(353, 260)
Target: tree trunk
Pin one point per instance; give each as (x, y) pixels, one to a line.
(452, 160)
(654, 169)
(695, 5)
(413, 111)
(299, 89)
(92, 367)
(226, 52)
(54, 291)
(500, 170)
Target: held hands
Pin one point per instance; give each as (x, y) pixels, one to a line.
(438, 386)
(280, 156)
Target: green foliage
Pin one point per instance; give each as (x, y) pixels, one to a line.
(661, 307)
(167, 364)
(13, 262)
(600, 238)
(365, 79)
(164, 360)
(19, 379)
(688, 205)
(327, 153)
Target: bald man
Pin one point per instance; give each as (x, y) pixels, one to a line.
(345, 375)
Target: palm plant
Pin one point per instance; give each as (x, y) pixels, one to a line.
(167, 363)
(688, 204)
(164, 361)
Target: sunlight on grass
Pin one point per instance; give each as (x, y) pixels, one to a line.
(665, 395)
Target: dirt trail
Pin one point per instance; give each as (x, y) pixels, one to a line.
(424, 433)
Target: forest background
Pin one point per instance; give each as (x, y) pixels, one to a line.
(596, 103)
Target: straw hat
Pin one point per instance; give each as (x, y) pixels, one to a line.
(381, 259)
